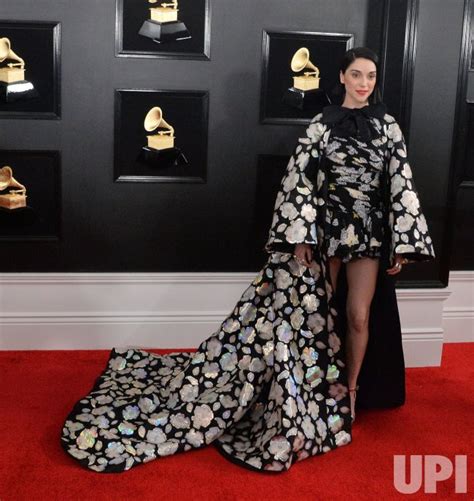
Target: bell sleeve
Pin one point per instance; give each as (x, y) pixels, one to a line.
(295, 210)
(407, 223)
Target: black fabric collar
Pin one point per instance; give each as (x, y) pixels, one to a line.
(353, 121)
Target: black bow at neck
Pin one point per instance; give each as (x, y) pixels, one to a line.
(353, 121)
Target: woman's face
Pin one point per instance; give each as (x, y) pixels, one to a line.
(359, 79)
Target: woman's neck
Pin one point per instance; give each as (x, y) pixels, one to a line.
(349, 103)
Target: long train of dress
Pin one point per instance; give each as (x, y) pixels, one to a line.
(268, 388)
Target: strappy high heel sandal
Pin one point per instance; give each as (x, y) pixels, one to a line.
(353, 390)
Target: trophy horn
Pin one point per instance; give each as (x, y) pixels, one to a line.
(7, 180)
(7, 53)
(154, 119)
(300, 61)
(6, 175)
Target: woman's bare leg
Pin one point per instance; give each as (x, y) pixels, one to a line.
(361, 282)
(334, 267)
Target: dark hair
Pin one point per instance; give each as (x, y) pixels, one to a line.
(351, 55)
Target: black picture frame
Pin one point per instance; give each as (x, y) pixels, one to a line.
(186, 110)
(326, 50)
(130, 14)
(39, 44)
(40, 172)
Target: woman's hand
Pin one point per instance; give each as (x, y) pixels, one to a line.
(303, 254)
(397, 267)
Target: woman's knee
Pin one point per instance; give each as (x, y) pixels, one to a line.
(358, 318)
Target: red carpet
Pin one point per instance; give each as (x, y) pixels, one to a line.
(40, 387)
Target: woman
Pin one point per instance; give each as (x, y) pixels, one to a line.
(354, 204)
(270, 386)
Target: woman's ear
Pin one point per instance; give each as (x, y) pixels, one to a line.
(341, 77)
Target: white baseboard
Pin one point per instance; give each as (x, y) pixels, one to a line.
(87, 311)
(421, 317)
(458, 312)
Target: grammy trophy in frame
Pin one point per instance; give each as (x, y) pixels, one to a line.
(160, 150)
(15, 214)
(30, 195)
(160, 136)
(173, 29)
(13, 85)
(12, 193)
(164, 25)
(299, 73)
(30, 76)
(305, 92)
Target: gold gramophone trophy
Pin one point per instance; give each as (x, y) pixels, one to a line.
(11, 198)
(160, 150)
(13, 85)
(310, 79)
(163, 139)
(305, 93)
(164, 25)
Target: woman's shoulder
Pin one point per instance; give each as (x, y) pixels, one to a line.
(389, 118)
(394, 132)
(317, 118)
(316, 128)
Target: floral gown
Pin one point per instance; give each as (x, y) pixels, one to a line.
(269, 387)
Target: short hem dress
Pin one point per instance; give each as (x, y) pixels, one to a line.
(355, 156)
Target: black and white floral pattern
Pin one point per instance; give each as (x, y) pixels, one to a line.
(311, 206)
(354, 221)
(297, 202)
(409, 230)
(268, 388)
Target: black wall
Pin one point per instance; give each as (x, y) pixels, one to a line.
(461, 201)
(107, 226)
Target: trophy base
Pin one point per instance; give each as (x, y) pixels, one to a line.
(17, 91)
(12, 201)
(170, 157)
(306, 100)
(13, 218)
(164, 32)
